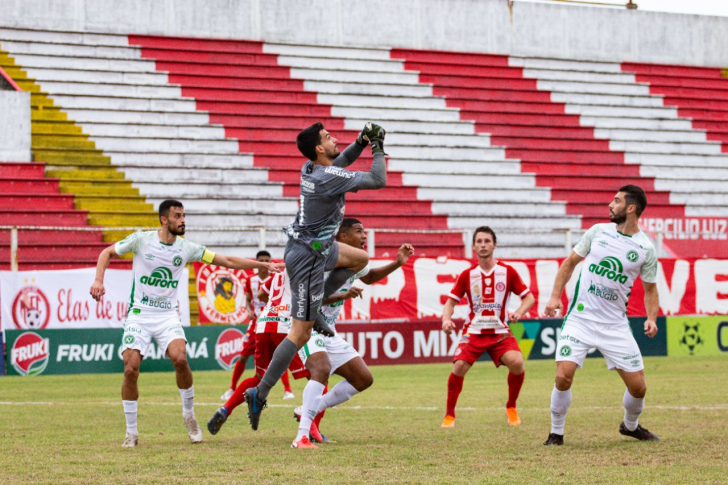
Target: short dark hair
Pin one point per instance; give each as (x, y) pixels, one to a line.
(308, 139)
(166, 205)
(262, 253)
(487, 230)
(634, 195)
(347, 224)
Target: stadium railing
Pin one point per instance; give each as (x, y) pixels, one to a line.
(629, 4)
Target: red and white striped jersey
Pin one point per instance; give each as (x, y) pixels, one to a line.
(488, 295)
(276, 314)
(254, 284)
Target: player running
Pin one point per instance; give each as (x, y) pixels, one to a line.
(325, 356)
(311, 249)
(488, 286)
(614, 256)
(255, 306)
(159, 263)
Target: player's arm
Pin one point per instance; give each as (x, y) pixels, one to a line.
(249, 298)
(526, 303)
(352, 292)
(562, 277)
(97, 288)
(652, 305)
(351, 153)
(447, 324)
(262, 295)
(234, 262)
(376, 178)
(377, 274)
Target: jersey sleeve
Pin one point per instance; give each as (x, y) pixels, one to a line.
(516, 284)
(196, 252)
(648, 272)
(130, 244)
(337, 180)
(363, 272)
(460, 288)
(583, 247)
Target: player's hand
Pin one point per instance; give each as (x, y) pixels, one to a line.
(273, 267)
(353, 292)
(404, 253)
(554, 307)
(375, 134)
(448, 326)
(514, 316)
(650, 328)
(97, 290)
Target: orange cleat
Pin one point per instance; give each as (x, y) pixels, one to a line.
(304, 443)
(448, 422)
(513, 419)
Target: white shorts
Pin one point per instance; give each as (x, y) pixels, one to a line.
(614, 340)
(340, 351)
(139, 330)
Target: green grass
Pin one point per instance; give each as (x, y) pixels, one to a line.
(389, 434)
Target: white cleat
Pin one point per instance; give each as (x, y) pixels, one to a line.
(131, 441)
(193, 429)
(288, 395)
(228, 394)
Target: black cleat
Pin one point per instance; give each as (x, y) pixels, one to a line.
(217, 420)
(639, 433)
(255, 407)
(320, 325)
(554, 439)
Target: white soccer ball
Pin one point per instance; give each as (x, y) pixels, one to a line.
(32, 319)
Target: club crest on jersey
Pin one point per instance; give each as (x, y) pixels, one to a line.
(610, 268)
(632, 256)
(161, 277)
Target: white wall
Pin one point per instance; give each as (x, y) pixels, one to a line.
(14, 126)
(533, 29)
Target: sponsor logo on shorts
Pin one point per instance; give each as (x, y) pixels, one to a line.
(628, 357)
(632, 256)
(610, 268)
(565, 351)
(30, 354)
(320, 342)
(161, 277)
(603, 292)
(569, 338)
(636, 363)
(129, 339)
(317, 297)
(228, 347)
(301, 301)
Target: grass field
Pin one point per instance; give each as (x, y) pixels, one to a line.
(68, 429)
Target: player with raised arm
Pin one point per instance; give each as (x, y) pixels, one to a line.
(255, 306)
(311, 249)
(159, 264)
(488, 286)
(614, 255)
(325, 356)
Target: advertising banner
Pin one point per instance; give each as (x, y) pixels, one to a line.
(60, 299)
(697, 335)
(212, 347)
(221, 294)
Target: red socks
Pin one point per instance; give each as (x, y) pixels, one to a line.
(514, 388)
(238, 371)
(454, 386)
(238, 396)
(286, 382)
(320, 416)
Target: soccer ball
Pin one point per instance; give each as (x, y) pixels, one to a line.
(32, 319)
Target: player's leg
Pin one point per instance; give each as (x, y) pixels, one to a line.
(513, 359)
(469, 350)
(238, 370)
(317, 362)
(350, 261)
(287, 391)
(177, 352)
(130, 395)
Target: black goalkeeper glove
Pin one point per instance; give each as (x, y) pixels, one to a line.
(374, 134)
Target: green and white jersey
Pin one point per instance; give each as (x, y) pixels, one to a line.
(331, 312)
(158, 269)
(612, 262)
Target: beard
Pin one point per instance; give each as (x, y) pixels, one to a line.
(618, 218)
(177, 231)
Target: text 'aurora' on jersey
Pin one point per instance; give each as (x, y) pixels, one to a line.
(160, 277)
(610, 268)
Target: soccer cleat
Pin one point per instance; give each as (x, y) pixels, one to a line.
(228, 394)
(554, 439)
(255, 407)
(304, 443)
(448, 422)
(297, 413)
(217, 420)
(320, 325)
(513, 418)
(193, 429)
(639, 433)
(315, 434)
(288, 395)
(131, 441)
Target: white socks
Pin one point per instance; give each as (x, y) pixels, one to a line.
(341, 392)
(130, 411)
(560, 402)
(632, 410)
(188, 398)
(312, 394)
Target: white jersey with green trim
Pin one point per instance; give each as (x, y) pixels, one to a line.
(612, 262)
(157, 270)
(331, 311)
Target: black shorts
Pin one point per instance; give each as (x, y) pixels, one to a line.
(306, 275)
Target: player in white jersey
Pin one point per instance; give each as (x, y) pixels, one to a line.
(614, 256)
(325, 356)
(158, 268)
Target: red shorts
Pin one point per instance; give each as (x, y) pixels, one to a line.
(249, 342)
(471, 347)
(265, 345)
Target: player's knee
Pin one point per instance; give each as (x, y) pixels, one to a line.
(638, 391)
(179, 361)
(516, 367)
(563, 381)
(131, 372)
(321, 373)
(364, 382)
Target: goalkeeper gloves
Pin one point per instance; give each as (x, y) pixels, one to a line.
(374, 134)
